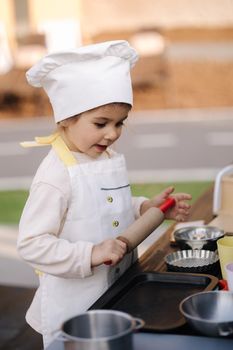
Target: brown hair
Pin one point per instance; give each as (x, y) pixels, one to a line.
(73, 119)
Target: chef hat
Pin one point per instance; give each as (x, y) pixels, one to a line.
(84, 78)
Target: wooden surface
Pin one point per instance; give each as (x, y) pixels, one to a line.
(153, 258)
(16, 334)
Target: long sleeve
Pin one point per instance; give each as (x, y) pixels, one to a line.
(39, 242)
(137, 202)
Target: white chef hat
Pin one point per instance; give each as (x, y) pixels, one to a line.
(87, 77)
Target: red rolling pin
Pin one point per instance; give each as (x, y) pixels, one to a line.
(144, 226)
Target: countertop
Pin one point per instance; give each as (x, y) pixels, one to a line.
(153, 260)
(149, 341)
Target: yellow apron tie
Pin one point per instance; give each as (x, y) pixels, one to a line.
(38, 272)
(60, 148)
(58, 145)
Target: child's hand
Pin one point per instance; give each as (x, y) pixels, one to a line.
(110, 250)
(157, 200)
(179, 212)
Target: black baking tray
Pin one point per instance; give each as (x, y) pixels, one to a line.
(155, 297)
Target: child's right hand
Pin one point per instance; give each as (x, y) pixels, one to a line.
(110, 250)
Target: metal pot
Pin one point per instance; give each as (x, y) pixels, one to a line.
(198, 237)
(100, 329)
(210, 313)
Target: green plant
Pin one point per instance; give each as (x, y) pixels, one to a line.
(151, 189)
(12, 202)
(11, 206)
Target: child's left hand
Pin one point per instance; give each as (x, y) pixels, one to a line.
(181, 209)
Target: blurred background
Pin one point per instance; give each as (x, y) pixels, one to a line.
(185, 48)
(181, 129)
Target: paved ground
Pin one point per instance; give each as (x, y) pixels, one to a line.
(13, 271)
(168, 138)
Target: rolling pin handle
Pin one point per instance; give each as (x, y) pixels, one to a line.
(169, 203)
(123, 239)
(108, 262)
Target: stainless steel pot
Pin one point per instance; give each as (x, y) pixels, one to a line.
(210, 313)
(99, 330)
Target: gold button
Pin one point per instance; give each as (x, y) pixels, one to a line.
(115, 223)
(109, 199)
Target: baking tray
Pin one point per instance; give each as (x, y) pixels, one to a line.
(155, 297)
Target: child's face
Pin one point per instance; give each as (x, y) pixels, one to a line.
(97, 129)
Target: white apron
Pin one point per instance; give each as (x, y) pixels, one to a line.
(100, 208)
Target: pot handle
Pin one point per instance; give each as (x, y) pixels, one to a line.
(226, 332)
(222, 284)
(138, 323)
(61, 336)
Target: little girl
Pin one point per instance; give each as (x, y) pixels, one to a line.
(80, 198)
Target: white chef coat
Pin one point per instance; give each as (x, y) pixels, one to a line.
(59, 227)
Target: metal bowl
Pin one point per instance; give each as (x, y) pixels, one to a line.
(193, 261)
(198, 237)
(210, 313)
